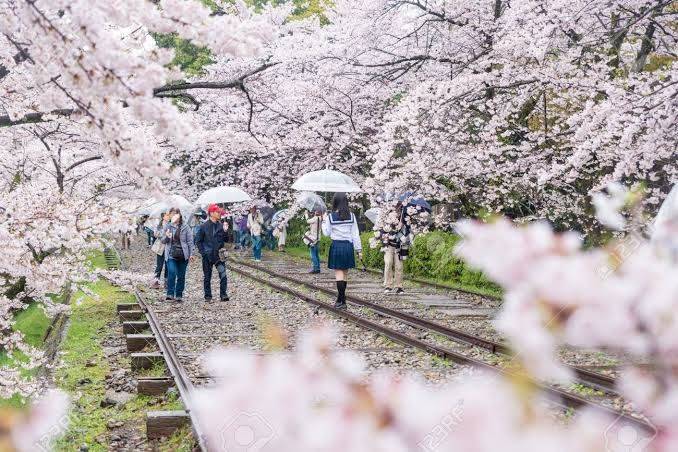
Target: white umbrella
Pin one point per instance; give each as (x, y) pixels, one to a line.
(327, 181)
(372, 214)
(218, 195)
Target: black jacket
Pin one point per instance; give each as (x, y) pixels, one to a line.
(210, 239)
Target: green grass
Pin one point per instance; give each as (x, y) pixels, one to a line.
(96, 259)
(585, 391)
(181, 441)
(33, 323)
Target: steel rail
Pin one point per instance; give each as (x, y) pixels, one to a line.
(181, 378)
(561, 398)
(597, 380)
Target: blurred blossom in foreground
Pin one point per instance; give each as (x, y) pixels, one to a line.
(320, 398)
(555, 295)
(38, 427)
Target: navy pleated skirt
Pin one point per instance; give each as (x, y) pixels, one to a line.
(341, 256)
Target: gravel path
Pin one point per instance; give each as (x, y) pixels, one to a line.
(251, 310)
(241, 321)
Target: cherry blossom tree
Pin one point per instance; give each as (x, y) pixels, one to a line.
(87, 109)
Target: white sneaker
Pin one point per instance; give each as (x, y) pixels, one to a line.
(399, 291)
(388, 291)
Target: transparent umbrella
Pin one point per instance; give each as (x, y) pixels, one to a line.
(311, 202)
(326, 181)
(278, 217)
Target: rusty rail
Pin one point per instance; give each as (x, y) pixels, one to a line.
(561, 398)
(597, 380)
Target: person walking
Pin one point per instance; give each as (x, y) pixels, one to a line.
(342, 227)
(210, 240)
(395, 251)
(149, 230)
(281, 234)
(312, 238)
(244, 236)
(159, 249)
(178, 236)
(237, 231)
(255, 224)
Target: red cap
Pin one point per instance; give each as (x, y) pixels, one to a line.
(213, 208)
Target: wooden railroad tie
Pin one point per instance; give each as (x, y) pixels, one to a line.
(132, 315)
(162, 424)
(140, 361)
(137, 342)
(134, 327)
(154, 386)
(127, 307)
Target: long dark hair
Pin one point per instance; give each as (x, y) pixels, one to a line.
(340, 205)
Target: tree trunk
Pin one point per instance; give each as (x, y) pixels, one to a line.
(645, 48)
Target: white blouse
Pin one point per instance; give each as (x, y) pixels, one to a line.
(342, 230)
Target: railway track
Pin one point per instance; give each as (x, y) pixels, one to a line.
(560, 397)
(174, 325)
(593, 379)
(182, 381)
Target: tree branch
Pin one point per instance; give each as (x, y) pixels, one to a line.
(235, 83)
(80, 162)
(30, 118)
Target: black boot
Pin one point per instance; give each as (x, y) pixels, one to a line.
(341, 298)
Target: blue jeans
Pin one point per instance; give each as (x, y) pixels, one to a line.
(256, 246)
(315, 257)
(270, 240)
(207, 267)
(236, 238)
(176, 277)
(244, 239)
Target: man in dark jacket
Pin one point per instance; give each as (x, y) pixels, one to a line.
(210, 239)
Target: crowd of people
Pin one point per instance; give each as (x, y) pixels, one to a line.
(174, 241)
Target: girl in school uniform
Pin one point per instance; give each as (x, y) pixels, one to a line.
(341, 226)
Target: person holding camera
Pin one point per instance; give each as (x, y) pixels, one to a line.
(210, 240)
(178, 236)
(159, 249)
(255, 224)
(342, 227)
(396, 250)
